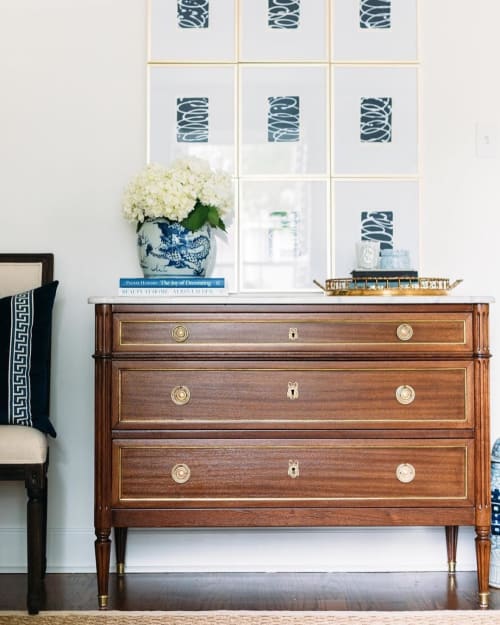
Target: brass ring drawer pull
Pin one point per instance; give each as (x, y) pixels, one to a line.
(405, 394)
(180, 334)
(404, 332)
(180, 473)
(405, 473)
(293, 468)
(180, 395)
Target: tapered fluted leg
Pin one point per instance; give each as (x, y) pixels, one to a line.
(451, 547)
(483, 546)
(102, 556)
(120, 547)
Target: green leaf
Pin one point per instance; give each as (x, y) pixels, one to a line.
(213, 216)
(200, 215)
(196, 218)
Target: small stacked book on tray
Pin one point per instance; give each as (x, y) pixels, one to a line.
(380, 278)
(172, 286)
(387, 282)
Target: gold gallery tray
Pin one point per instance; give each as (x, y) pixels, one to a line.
(387, 286)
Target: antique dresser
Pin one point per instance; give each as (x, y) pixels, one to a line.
(281, 412)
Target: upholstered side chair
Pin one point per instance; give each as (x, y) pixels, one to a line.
(24, 450)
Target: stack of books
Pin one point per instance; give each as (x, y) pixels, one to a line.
(384, 278)
(172, 286)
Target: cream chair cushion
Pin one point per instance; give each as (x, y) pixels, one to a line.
(17, 277)
(22, 445)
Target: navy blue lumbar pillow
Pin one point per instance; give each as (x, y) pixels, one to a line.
(25, 339)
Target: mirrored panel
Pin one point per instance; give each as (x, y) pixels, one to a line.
(192, 30)
(283, 30)
(224, 245)
(192, 113)
(385, 211)
(374, 30)
(284, 127)
(375, 120)
(283, 234)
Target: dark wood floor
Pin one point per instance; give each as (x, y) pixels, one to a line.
(255, 591)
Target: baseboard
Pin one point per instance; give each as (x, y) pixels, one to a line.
(256, 550)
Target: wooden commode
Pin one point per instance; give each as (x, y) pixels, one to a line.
(280, 412)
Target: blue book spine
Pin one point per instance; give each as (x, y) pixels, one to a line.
(177, 282)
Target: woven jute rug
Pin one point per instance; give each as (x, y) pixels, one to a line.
(435, 617)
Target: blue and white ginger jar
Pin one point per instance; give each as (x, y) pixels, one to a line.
(168, 249)
(495, 516)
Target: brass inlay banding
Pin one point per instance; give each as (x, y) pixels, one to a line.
(281, 499)
(463, 419)
(300, 498)
(405, 394)
(325, 322)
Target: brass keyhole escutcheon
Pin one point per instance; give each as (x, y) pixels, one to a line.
(180, 473)
(293, 468)
(293, 334)
(404, 332)
(180, 334)
(180, 395)
(405, 472)
(405, 394)
(293, 390)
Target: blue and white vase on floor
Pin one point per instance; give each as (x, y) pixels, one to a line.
(168, 249)
(495, 516)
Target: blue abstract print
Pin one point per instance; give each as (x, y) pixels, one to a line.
(192, 13)
(283, 122)
(283, 13)
(376, 120)
(378, 226)
(192, 120)
(375, 14)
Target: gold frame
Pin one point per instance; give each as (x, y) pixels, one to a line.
(329, 176)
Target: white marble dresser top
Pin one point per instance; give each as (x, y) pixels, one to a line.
(292, 298)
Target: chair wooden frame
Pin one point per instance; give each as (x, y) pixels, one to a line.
(34, 476)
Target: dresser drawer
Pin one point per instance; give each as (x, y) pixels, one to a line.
(398, 332)
(347, 395)
(238, 473)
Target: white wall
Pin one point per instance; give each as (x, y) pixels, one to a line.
(72, 132)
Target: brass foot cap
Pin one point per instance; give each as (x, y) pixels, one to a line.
(120, 568)
(483, 599)
(103, 602)
(452, 567)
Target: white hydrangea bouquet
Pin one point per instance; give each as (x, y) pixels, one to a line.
(188, 192)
